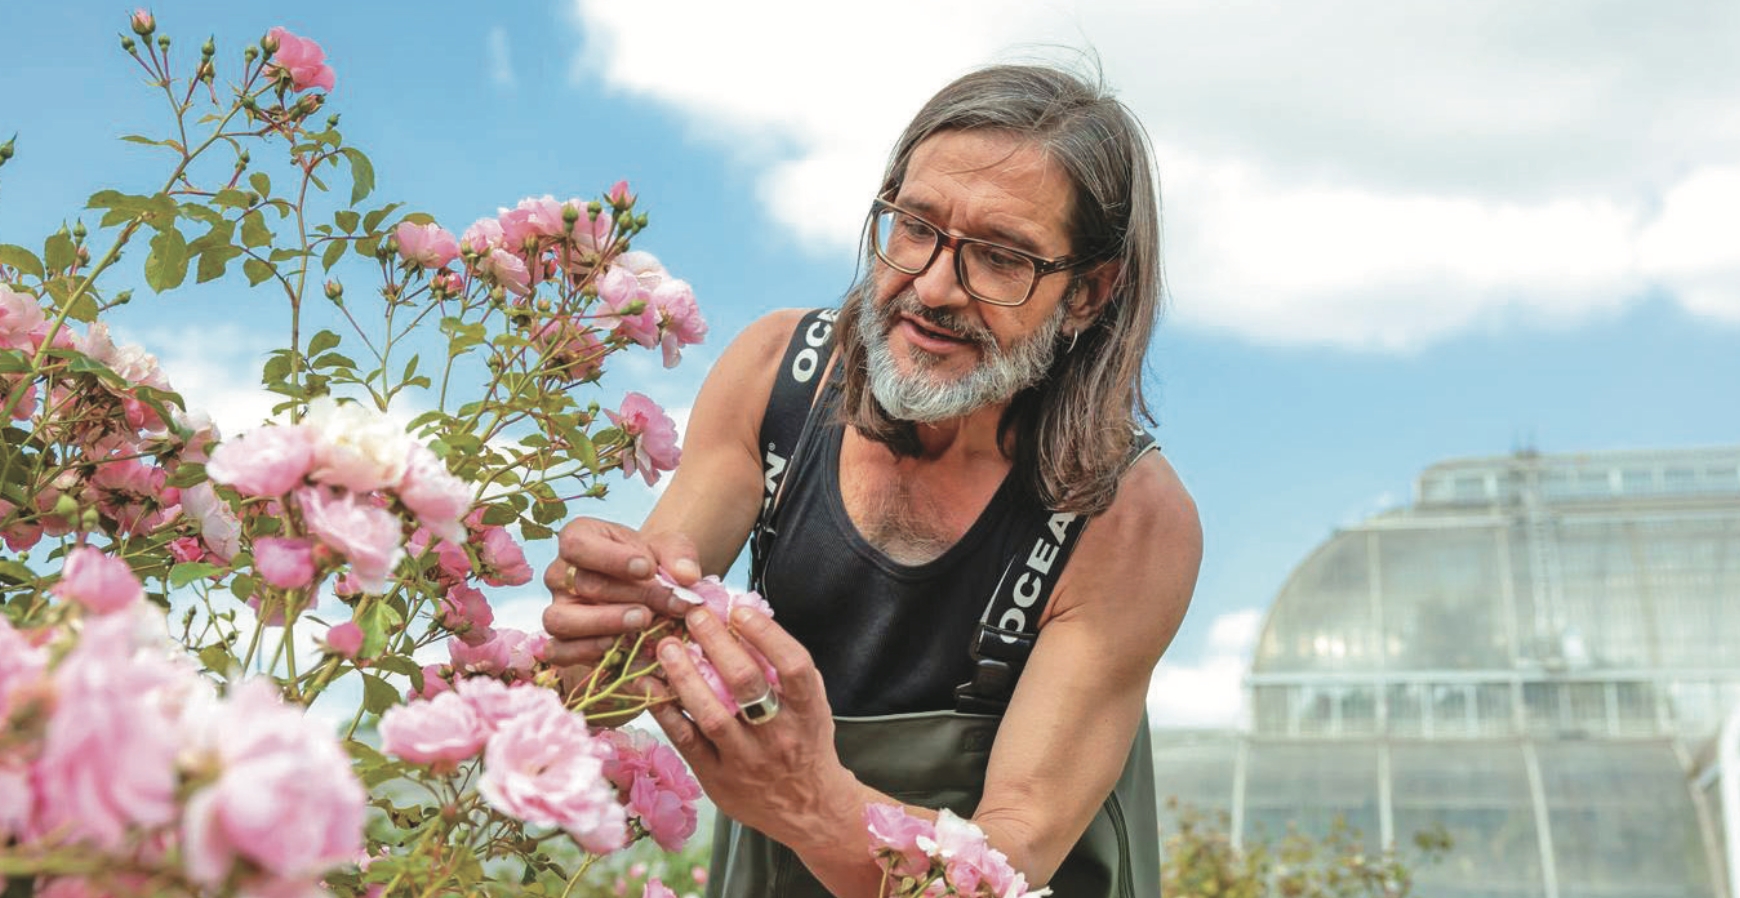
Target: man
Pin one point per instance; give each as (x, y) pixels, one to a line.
(987, 375)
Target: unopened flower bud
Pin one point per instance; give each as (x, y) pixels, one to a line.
(334, 290)
(640, 221)
(6, 149)
(497, 295)
(128, 45)
(205, 72)
(84, 254)
(163, 42)
(143, 22)
(89, 519)
(66, 506)
(249, 103)
(79, 231)
(250, 54)
(269, 44)
(123, 297)
(209, 48)
(594, 208)
(332, 121)
(543, 304)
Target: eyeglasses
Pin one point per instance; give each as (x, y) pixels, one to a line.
(989, 272)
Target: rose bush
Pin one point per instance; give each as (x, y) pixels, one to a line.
(174, 598)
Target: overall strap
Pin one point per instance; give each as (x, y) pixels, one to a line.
(794, 390)
(1010, 625)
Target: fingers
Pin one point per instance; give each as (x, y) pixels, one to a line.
(610, 549)
(800, 683)
(685, 737)
(741, 672)
(714, 720)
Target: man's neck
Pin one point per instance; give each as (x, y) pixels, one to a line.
(969, 436)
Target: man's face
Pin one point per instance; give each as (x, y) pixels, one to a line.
(934, 352)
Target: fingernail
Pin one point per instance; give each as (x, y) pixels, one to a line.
(741, 615)
(635, 618)
(669, 652)
(697, 617)
(687, 568)
(639, 568)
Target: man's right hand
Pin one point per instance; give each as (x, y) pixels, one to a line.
(602, 586)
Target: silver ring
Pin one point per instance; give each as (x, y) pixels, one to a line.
(760, 710)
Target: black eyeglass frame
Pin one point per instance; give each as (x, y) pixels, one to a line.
(1041, 265)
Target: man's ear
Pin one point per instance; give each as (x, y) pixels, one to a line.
(1091, 292)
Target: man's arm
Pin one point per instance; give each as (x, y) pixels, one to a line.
(697, 526)
(1062, 743)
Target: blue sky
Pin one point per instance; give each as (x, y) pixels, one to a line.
(1396, 233)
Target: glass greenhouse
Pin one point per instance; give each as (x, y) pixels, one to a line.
(1542, 653)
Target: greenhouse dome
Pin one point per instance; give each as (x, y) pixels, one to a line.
(1539, 653)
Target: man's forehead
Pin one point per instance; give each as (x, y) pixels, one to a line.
(1013, 176)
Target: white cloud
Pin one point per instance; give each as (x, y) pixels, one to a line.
(1209, 693)
(501, 59)
(217, 372)
(1377, 177)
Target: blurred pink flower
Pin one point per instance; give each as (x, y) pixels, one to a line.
(543, 767)
(22, 666)
(365, 535)
(345, 639)
(698, 873)
(426, 245)
(97, 581)
(504, 563)
(287, 563)
(22, 323)
(484, 235)
(653, 437)
(439, 732)
(657, 788)
(619, 195)
(484, 654)
(15, 798)
(107, 765)
(285, 800)
(301, 59)
(265, 461)
(439, 499)
(894, 839)
(435, 682)
(591, 232)
(656, 889)
(465, 610)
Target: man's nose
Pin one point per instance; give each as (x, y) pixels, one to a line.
(939, 286)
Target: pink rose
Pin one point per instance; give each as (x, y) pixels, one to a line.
(435, 681)
(465, 610)
(506, 269)
(653, 437)
(283, 562)
(484, 235)
(439, 732)
(426, 245)
(619, 195)
(345, 639)
(439, 499)
(365, 535)
(22, 323)
(265, 461)
(656, 889)
(486, 653)
(301, 60)
(22, 666)
(534, 220)
(680, 322)
(629, 301)
(107, 765)
(503, 561)
(543, 767)
(658, 788)
(495, 703)
(894, 839)
(357, 447)
(100, 583)
(15, 799)
(218, 526)
(286, 800)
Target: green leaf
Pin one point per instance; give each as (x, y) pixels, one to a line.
(499, 516)
(373, 219)
(378, 694)
(231, 197)
(16, 574)
(277, 368)
(377, 621)
(254, 230)
(400, 664)
(256, 271)
(203, 214)
(362, 174)
(333, 360)
(221, 233)
(140, 138)
(347, 219)
(215, 261)
(58, 252)
(158, 211)
(261, 183)
(321, 342)
(216, 657)
(535, 532)
(22, 259)
(166, 267)
(189, 571)
(333, 252)
(14, 361)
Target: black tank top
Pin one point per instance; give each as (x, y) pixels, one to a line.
(888, 638)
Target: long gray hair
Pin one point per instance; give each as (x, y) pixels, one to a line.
(1073, 429)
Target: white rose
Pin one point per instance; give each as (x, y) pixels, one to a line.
(357, 447)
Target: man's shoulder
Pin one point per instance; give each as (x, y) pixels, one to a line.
(1152, 514)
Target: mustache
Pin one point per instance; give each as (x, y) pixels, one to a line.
(908, 303)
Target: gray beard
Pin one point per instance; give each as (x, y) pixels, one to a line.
(925, 396)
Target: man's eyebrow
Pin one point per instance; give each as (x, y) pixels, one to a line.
(1000, 235)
